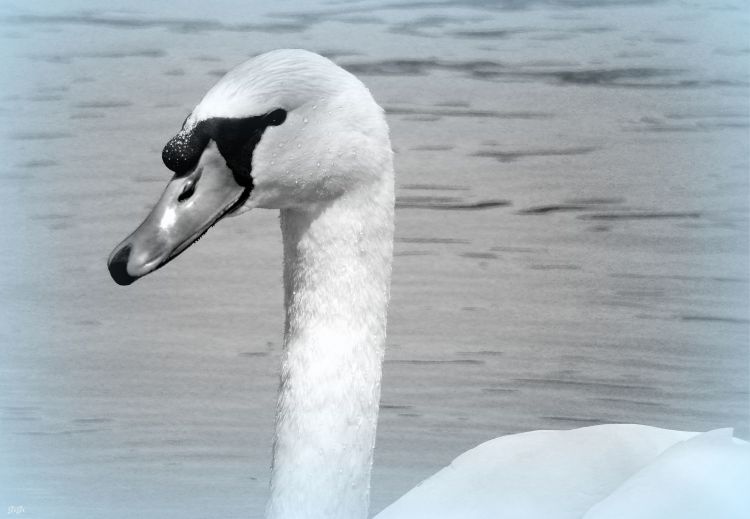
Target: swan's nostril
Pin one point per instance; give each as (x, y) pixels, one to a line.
(187, 192)
(118, 267)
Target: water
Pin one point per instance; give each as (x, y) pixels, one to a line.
(572, 240)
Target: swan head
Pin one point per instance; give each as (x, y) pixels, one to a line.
(286, 129)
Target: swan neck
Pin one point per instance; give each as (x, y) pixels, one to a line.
(337, 266)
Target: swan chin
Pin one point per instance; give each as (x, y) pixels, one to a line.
(189, 206)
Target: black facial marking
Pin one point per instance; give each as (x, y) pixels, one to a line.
(235, 138)
(182, 152)
(276, 117)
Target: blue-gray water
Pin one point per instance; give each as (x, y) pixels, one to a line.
(572, 239)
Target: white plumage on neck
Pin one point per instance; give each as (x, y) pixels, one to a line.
(337, 265)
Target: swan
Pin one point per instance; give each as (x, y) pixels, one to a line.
(290, 130)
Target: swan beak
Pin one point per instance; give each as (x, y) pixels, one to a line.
(189, 206)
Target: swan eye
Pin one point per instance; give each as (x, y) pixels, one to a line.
(236, 139)
(276, 117)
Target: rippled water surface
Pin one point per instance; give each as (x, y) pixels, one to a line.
(572, 239)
